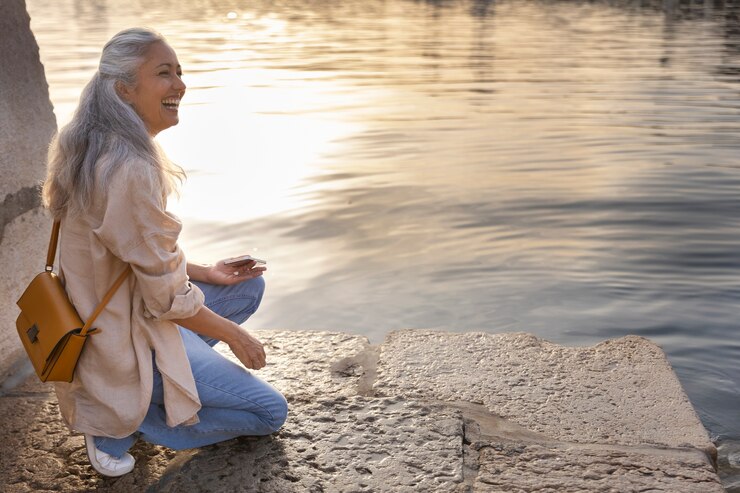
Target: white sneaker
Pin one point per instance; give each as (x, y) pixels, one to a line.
(106, 464)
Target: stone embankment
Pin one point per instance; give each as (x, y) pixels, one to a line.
(423, 412)
(27, 124)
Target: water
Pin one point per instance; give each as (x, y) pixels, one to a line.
(564, 168)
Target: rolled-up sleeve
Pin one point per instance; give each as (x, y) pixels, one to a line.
(137, 229)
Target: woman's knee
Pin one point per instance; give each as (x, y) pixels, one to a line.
(237, 302)
(258, 285)
(252, 292)
(278, 411)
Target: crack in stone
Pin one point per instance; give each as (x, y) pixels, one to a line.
(470, 455)
(17, 204)
(484, 427)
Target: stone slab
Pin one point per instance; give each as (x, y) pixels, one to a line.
(621, 391)
(345, 434)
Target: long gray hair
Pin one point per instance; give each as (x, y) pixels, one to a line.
(104, 124)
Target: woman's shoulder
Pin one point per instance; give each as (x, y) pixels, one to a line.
(132, 174)
(131, 202)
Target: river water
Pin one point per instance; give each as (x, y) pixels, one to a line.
(565, 168)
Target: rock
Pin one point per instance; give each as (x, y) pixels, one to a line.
(425, 411)
(622, 391)
(26, 127)
(331, 445)
(536, 468)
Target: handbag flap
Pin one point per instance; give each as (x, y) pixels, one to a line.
(48, 311)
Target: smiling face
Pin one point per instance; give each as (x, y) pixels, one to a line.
(158, 89)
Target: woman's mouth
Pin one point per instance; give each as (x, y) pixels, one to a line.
(171, 103)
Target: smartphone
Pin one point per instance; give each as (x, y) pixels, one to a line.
(243, 260)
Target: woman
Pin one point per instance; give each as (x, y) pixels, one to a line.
(143, 376)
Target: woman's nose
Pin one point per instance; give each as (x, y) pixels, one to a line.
(180, 84)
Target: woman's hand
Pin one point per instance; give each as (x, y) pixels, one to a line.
(247, 349)
(230, 274)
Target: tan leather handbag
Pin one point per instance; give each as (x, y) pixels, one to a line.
(49, 327)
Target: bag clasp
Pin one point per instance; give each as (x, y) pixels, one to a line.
(33, 333)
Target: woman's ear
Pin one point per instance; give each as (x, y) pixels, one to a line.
(124, 92)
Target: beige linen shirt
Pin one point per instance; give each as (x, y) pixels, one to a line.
(112, 386)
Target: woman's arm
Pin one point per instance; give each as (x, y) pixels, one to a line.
(245, 347)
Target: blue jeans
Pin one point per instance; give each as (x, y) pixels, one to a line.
(234, 401)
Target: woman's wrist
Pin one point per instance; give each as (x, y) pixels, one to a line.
(199, 272)
(232, 332)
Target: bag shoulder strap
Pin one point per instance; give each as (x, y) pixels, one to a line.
(52, 246)
(105, 300)
(117, 284)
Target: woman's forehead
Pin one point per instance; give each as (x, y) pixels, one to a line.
(160, 53)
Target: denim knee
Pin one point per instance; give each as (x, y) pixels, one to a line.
(237, 302)
(251, 292)
(256, 289)
(258, 285)
(279, 412)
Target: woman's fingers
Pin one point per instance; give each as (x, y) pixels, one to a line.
(256, 360)
(250, 360)
(248, 272)
(261, 357)
(250, 352)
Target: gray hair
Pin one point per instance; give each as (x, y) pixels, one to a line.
(105, 125)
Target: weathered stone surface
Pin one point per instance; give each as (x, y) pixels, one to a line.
(621, 391)
(340, 437)
(310, 364)
(339, 444)
(26, 126)
(22, 256)
(519, 468)
(27, 122)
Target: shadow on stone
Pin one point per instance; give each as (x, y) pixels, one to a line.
(36, 445)
(242, 464)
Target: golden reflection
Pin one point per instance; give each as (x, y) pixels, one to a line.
(248, 139)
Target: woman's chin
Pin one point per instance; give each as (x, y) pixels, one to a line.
(169, 122)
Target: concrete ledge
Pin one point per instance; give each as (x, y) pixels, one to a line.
(424, 411)
(621, 391)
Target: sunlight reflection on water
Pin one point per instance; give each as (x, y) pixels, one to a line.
(261, 121)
